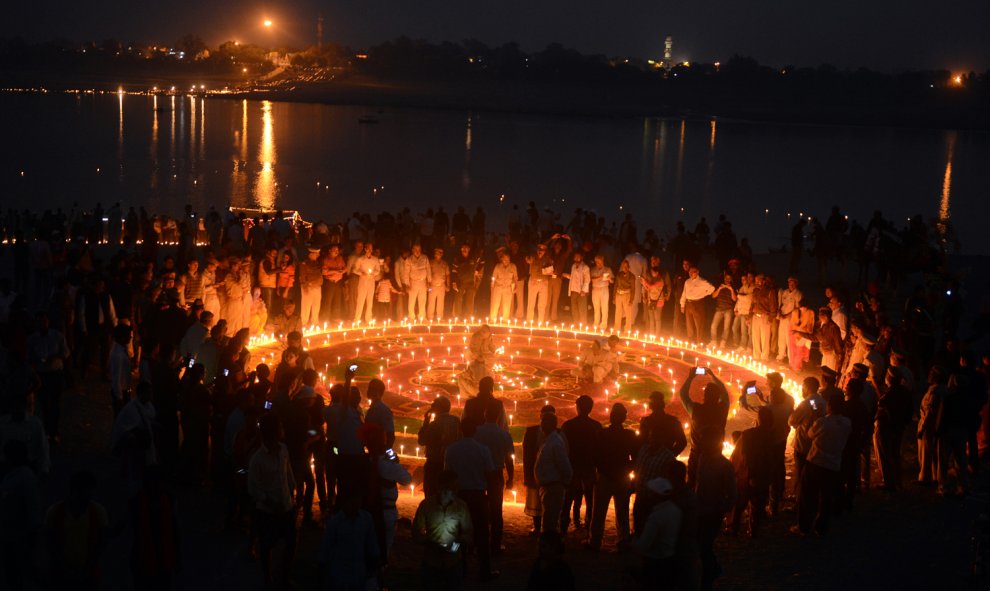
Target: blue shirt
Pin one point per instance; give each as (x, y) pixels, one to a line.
(471, 461)
(497, 440)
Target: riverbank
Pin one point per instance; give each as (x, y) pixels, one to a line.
(574, 97)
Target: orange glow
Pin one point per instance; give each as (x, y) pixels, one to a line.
(268, 23)
(957, 80)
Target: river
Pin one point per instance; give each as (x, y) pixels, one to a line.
(165, 151)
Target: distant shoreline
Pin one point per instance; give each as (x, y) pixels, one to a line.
(550, 98)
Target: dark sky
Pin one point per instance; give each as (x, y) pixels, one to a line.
(881, 34)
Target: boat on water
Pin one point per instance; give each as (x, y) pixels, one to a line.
(253, 212)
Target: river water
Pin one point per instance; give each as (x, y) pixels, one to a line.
(163, 152)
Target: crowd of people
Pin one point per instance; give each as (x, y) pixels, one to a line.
(162, 314)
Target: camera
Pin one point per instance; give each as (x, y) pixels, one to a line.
(699, 371)
(353, 367)
(268, 405)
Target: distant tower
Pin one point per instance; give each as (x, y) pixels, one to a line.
(668, 53)
(319, 32)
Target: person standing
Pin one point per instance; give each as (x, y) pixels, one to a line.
(637, 266)
(829, 340)
(499, 443)
(379, 412)
(120, 369)
(820, 476)
(311, 287)
(716, 491)
(76, 532)
(764, 313)
(614, 456)
(439, 430)
(155, 556)
(561, 248)
(653, 460)
(367, 268)
(625, 287)
(601, 280)
(417, 282)
(504, 279)
(693, 297)
(578, 285)
(788, 299)
(669, 428)
(466, 275)
(927, 427)
(439, 286)
(47, 354)
(656, 292)
(349, 554)
(894, 408)
(533, 439)
(270, 484)
(540, 271)
(725, 300)
(752, 460)
(267, 279)
(658, 540)
(582, 434)
(334, 270)
(707, 417)
(553, 472)
(741, 320)
(442, 524)
(475, 469)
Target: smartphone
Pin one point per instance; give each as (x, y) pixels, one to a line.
(268, 405)
(390, 454)
(242, 471)
(455, 546)
(813, 403)
(192, 361)
(750, 389)
(353, 367)
(226, 372)
(699, 371)
(311, 432)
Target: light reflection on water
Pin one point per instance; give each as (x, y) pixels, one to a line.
(945, 203)
(265, 188)
(652, 166)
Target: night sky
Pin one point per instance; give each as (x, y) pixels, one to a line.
(882, 34)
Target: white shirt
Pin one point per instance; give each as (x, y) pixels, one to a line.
(839, 317)
(788, 299)
(417, 270)
(367, 267)
(580, 278)
(696, 288)
(553, 466)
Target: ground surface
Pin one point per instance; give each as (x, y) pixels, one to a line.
(911, 540)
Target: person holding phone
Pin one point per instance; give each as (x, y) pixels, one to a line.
(810, 409)
(708, 417)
